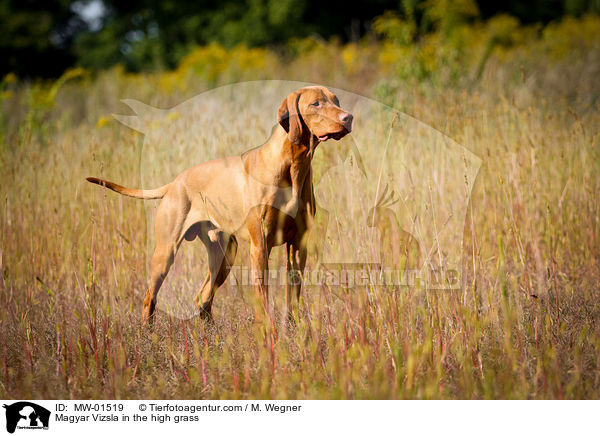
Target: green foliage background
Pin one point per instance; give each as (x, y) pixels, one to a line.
(42, 39)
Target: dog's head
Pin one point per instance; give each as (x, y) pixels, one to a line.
(316, 111)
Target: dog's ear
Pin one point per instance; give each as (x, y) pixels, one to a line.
(289, 118)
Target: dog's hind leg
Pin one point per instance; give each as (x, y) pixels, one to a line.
(221, 249)
(168, 227)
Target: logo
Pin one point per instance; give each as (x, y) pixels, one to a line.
(26, 415)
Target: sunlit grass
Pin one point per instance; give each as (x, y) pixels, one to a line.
(73, 264)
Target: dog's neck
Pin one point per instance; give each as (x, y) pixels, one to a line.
(278, 159)
(279, 148)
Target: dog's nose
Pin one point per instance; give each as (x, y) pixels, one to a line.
(346, 118)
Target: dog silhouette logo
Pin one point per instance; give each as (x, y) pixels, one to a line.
(26, 415)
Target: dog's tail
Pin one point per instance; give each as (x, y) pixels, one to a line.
(144, 194)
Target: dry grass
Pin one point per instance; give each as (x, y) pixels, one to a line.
(73, 259)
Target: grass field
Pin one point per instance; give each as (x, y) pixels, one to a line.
(73, 259)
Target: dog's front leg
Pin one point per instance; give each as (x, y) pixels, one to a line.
(259, 257)
(296, 261)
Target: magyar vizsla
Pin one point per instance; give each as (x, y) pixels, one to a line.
(264, 196)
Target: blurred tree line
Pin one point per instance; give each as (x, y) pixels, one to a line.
(43, 38)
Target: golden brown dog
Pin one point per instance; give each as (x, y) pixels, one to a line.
(264, 196)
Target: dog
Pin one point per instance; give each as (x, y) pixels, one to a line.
(264, 196)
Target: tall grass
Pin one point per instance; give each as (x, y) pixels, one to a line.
(526, 325)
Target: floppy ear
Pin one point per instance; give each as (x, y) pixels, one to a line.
(289, 118)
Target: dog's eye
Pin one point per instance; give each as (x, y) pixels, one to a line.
(316, 103)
